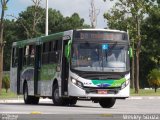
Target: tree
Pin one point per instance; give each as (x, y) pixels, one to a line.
(29, 20)
(73, 22)
(10, 35)
(132, 12)
(57, 22)
(3, 7)
(93, 13)
(151, 28)
(154, 78)
(150, 55)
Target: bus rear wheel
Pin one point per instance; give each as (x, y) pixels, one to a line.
(107, 102)
(29, 99)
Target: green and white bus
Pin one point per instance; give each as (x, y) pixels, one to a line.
(82, 64)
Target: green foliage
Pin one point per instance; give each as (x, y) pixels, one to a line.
(150, 55)
(32, 25)
(143, 92)
(28, 22)
(151, 28)
(8, 95)
(10, 35)
(6, 82)
(154, 78)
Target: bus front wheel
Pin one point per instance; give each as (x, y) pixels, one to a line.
(71, 101)
(107, 102)
(58, 101)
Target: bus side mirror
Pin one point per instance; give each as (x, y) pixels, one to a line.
(131, 52)
(58, 69)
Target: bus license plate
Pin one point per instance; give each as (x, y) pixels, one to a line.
(102, 92)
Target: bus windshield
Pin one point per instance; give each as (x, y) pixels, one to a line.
(100, 57)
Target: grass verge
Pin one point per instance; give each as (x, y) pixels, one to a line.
(8, 95)
(143, 92)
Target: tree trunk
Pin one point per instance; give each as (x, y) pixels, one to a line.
(155, 89)
(138, 47)
(6, 90)
(1, 43)
(1, 67)
(132, 68)
(137, 73)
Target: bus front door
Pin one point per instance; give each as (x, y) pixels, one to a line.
(65, 72)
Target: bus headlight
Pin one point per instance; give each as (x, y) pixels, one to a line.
(77, 83)
(125, 84)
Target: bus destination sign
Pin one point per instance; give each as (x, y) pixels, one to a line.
(84, 35)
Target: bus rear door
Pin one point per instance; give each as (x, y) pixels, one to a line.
(37, 69)
(19, 69)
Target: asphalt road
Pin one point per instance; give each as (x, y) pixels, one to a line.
(82, 109)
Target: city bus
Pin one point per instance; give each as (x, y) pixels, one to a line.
(81, 64)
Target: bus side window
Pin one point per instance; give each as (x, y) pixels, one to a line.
(31, 54)
(51, 52)
(26, 55)
(58, 50)
(45, 53)
(14, 57)
(54, 51)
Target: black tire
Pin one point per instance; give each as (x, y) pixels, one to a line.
(35, 100)
(71, 101)
(58, 101)
(29, 99)
(107, 102)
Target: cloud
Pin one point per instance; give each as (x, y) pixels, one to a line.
(68, 7)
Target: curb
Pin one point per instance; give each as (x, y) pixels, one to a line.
(144, 97)
(22, 101)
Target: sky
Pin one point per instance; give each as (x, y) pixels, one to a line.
(66, 7)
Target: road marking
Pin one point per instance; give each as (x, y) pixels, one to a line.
(36, 113)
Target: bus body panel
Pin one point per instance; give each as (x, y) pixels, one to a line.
(13, 79)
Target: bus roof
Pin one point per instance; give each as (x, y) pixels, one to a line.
(53, 36)
(107, 30)
(37, 40)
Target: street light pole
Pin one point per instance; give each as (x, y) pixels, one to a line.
(46, 29)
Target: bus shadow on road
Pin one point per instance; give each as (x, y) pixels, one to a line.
(49, 104)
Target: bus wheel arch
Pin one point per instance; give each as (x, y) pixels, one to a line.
(54, 83)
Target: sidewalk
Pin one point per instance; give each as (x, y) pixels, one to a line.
(20, 100)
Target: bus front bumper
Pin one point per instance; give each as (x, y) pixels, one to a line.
(76, 91)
